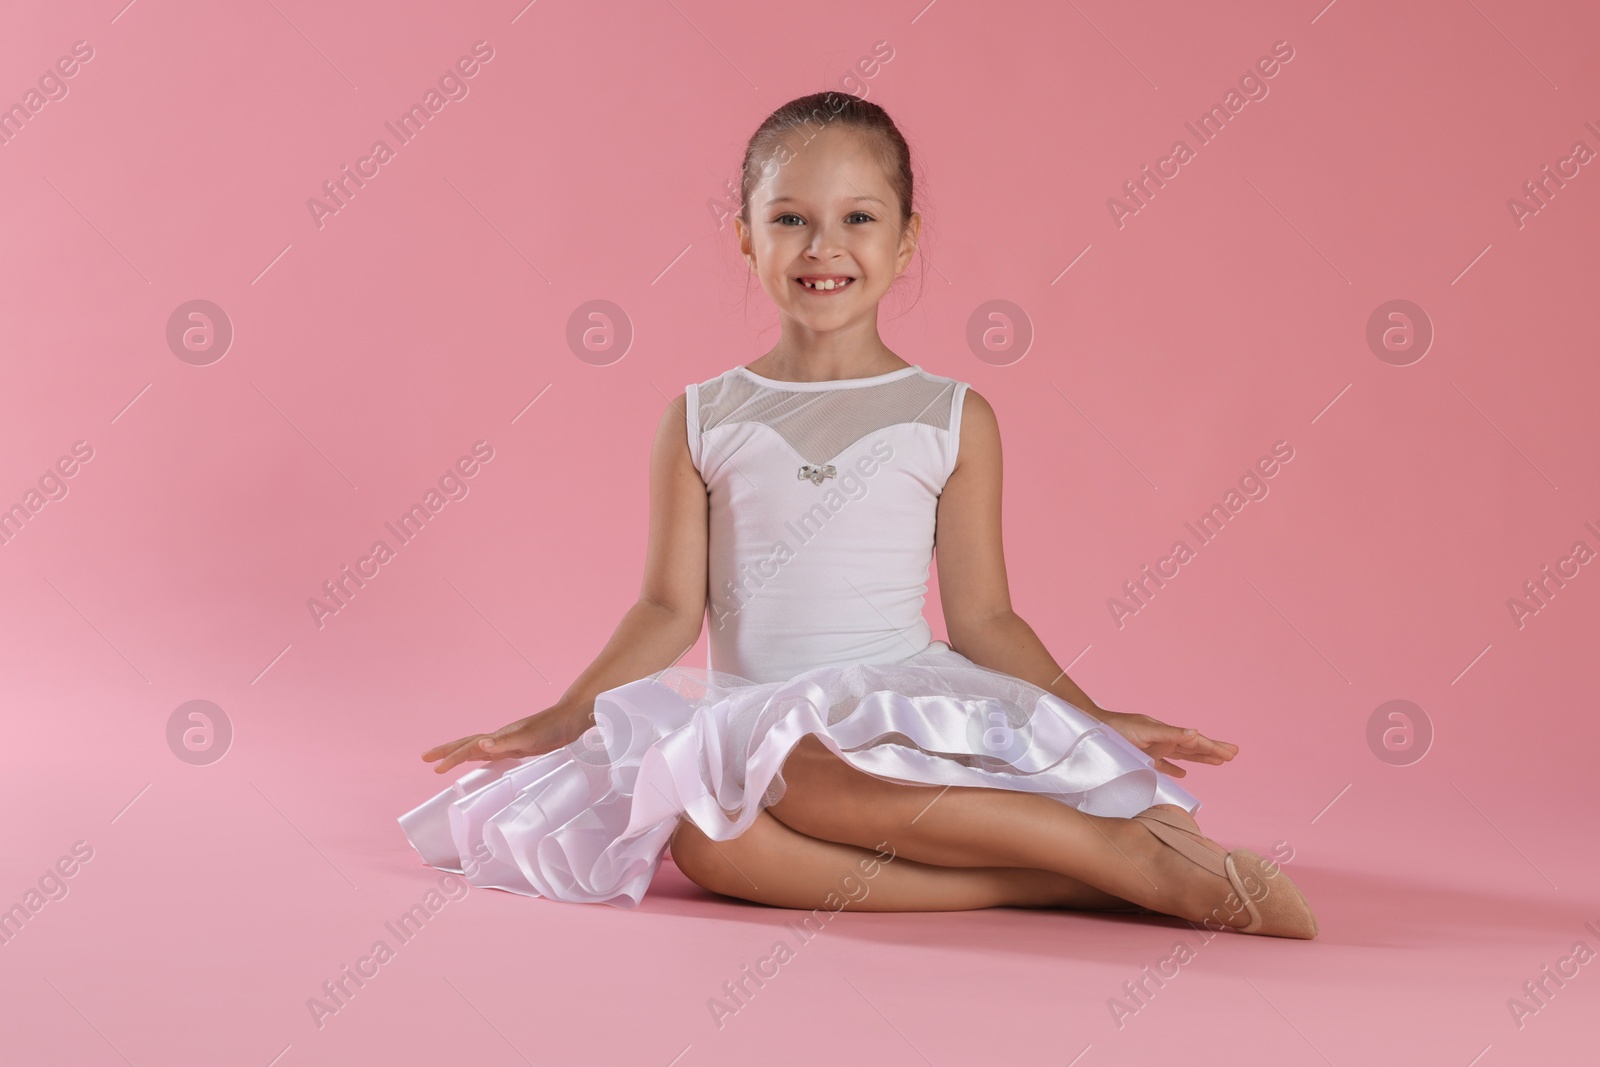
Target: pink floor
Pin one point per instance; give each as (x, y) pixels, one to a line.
(218, 900)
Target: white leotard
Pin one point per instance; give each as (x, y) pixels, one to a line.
(822, 503)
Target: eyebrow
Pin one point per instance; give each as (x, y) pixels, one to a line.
(796, 200)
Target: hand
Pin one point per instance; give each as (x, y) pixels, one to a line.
(543, 731)
(1158, 741)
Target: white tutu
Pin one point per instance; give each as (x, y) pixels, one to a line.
(590, 822)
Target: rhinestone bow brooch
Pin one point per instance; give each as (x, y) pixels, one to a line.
(816, 473)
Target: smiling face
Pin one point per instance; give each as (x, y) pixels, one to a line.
(825, 230)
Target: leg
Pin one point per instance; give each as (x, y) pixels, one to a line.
(773, 864)
(962, 826)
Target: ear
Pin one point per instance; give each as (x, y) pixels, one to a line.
(908, 240)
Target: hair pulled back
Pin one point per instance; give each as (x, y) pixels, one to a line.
(767, 149)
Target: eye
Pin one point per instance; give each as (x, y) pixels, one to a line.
(864, 216)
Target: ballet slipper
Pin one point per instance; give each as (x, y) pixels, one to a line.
(1275, 904)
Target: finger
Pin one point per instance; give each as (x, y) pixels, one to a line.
(473, 749)
(1192, 736)
(445, 749)
(1171, 769)
(1177, 736)
(503, 744)
(1203, 755)
(1202, 745)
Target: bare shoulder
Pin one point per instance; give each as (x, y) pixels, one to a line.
(672, 431)
(670, 453)
(675, 559)
(979, 446)
(677, 412)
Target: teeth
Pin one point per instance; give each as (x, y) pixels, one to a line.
(828, 284)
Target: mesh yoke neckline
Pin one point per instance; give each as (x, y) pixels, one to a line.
(831, 383)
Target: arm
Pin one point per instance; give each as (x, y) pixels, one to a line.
(977, 601)
(670, 613)
(654, 633)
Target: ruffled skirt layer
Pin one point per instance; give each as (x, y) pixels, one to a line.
(590, 822)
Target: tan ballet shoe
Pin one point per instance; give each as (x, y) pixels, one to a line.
(1275, 904)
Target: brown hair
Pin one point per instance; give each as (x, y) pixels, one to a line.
(822, 108)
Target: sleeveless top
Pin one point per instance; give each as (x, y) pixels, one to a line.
(822, 499)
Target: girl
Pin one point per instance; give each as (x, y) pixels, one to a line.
(797, 500)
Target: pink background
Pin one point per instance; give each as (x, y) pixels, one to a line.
(1167, 355)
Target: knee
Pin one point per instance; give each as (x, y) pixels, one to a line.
(705, 862)
(691, 852)
(815, 791)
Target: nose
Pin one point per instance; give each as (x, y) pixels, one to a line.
(827, 241)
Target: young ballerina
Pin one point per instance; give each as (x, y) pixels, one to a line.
(797, 501)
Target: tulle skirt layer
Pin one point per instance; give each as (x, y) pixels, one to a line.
(590, 822)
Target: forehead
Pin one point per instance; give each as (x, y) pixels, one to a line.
(837, 163)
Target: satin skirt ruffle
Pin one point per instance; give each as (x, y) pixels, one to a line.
(590, 822)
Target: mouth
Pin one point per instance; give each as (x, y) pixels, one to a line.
(825, 283)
